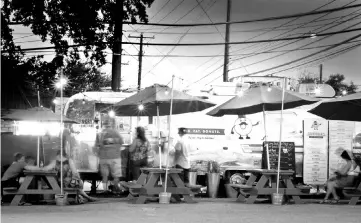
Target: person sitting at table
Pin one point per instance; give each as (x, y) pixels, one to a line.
(71, 177)
(343, 177)
(14, 171)
(181, 155)
(141, 153)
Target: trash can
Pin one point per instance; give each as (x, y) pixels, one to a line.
(213, 184)
(192, 176)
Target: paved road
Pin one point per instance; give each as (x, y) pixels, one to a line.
(207, 210)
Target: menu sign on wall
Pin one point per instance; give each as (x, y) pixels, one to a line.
(340, 139)
(315, 151)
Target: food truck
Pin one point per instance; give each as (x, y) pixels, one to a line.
(234, 142)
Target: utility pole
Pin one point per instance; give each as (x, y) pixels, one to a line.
(320, 73)
(117, 47)
(226, 46)
(140, 57)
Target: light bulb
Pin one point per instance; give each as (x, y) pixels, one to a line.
(166, 92)
(344, 92)
(317, 91)
(55, 101)
(111, 113)
(269, 89)
(313, 35)
(141, 107)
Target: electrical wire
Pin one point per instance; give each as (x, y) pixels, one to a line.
(299, 59)
(224, 23)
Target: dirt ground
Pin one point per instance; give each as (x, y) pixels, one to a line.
(206, 210)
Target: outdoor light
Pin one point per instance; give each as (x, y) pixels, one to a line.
(317, 90)
(166, 92)
(344, 92)
(240, 93)
(61, 82)
(83, 102)
(269, 88)
(55, 101)
(111, 113)
(141, 107)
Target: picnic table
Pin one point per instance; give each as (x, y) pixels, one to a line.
(49, 177)
(266, 185)
(150, 183)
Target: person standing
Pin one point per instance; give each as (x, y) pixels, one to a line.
(108, 143)
(141, 154)
(181, 155)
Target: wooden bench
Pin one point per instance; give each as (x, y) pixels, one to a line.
(354, 193)
(245, 190)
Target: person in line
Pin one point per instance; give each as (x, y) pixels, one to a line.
(141, 153)
(71, 177)
(108, 143)
(15, 170)
(343, 177)
(181, 155)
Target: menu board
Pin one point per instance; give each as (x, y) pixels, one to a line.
(315, 151)
(270, 156)
(340, 139)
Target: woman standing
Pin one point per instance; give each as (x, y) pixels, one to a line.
(140, 153)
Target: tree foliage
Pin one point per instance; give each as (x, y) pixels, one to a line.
(337, 82)
(307, 77)
(84, 77)
(87, 22)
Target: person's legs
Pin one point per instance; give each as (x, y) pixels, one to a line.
(135, 170)
(104, 171)
(116, 171)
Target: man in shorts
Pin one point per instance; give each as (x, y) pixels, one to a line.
(108, 143)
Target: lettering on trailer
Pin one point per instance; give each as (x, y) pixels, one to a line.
(202, 131)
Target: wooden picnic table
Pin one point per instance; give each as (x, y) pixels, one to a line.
(267, 184)
(49, 177)
(148, 185)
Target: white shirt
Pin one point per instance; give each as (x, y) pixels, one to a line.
(181, 156)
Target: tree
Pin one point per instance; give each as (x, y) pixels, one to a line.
(95, 24)
(307, 77)
(83, 77)
(336, 81)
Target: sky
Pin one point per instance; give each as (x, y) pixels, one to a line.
(198, 72)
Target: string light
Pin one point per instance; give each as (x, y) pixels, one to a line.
(141, 107)
(317, 90)
(83, 102)
(166, 92)
(111, 113)
(313, 35)
(269, 88)
(344, 92)
(55, 101)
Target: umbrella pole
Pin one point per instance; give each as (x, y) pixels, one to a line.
(159, 148)
(280, 146)
(61, 136)
(38, 153)
(265, 135)
(169, 128)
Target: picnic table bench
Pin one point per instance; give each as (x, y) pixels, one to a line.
(49, 177)
(150, 184)
(266, 185)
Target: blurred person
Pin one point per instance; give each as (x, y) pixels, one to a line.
(343, 177)
(141, 153)
(108, 144)
(181, 155)
(14, 171)
(71, 177)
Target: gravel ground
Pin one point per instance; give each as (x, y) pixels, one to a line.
(206, 210)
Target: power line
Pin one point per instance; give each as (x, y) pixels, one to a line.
(170, 11)
(297, 41)
(270, 31)
(224, 23)
(312, 54)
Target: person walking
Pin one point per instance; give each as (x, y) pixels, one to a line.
(141, 153)
(108, 143)
(181, 155)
